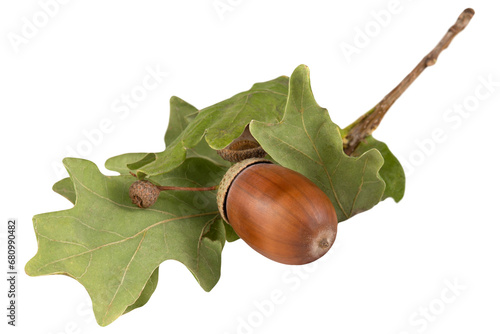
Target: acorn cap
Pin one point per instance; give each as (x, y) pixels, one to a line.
(242, 148)
(228, 178)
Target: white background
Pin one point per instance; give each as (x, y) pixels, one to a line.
(390, 268)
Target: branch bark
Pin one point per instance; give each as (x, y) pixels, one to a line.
(366, 124)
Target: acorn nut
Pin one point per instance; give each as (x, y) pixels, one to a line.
(278, 212)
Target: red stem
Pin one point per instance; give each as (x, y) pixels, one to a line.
(187, 188)
(161, 188)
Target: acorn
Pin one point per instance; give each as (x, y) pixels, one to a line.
(278, 212)
(143, 193)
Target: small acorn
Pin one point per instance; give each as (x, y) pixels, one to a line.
(143, 193)
(278, 212)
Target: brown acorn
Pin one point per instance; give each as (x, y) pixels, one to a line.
(278, 212)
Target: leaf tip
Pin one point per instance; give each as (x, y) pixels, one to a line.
(302, 68)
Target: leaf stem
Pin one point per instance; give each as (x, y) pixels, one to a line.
(366, 124)
(161, 188)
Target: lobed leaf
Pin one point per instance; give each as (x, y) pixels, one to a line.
(114, 248)
(66, 189)
(307, 141)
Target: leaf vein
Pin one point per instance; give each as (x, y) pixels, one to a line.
(359, 188)
(124, 274)
(128, 238)
(323, 166)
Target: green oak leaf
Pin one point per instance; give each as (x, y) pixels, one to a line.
(220, 124)
(307, 141)
(181, 114)
(113, 248)
(66, 189)
(391, 172)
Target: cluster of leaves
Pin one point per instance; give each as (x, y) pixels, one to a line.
(114, 249)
